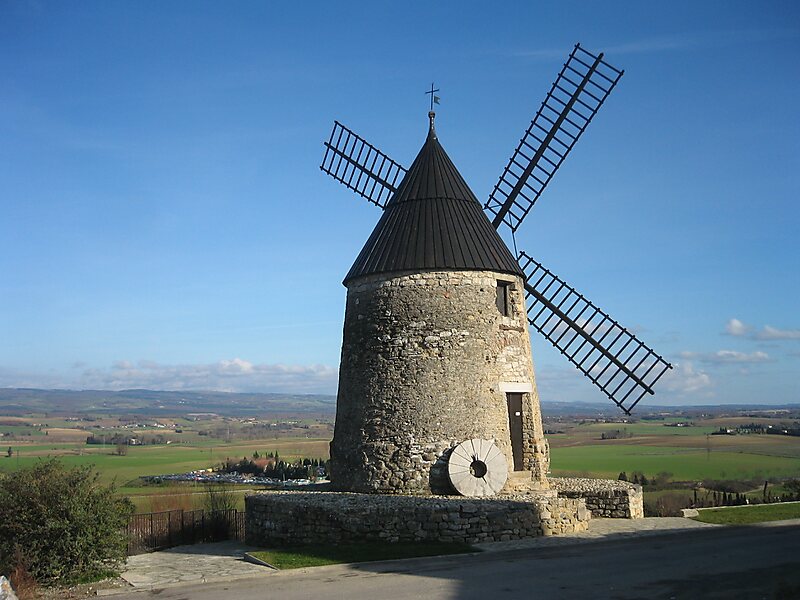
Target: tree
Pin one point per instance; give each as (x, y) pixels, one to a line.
(122, 448)
(623, 476)
(793, 487)
(10, 452)
(61, 523)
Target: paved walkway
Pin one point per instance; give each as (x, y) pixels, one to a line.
(191, 564)
(223, 560)
(602, 529)
(708, 562)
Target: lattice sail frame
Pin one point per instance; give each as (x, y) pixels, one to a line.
(556, 310)
(577, 94)
(589, 338)
(349, 156)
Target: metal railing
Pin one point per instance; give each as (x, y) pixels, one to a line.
(159, 530)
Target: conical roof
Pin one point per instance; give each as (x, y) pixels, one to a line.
(433, 221)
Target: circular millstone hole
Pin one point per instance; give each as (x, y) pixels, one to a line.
(478, 468)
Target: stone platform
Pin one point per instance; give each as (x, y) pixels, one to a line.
(603, 497)
(332, 517)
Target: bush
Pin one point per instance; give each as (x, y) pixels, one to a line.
(667, 505)
(219, 502)
(730, 486)
(61, 522)
(219, 497)
(793, 487)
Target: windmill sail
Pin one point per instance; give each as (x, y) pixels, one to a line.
(577, 94)
(359, 165)
(622, 366)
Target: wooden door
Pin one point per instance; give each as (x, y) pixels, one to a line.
(514, 401)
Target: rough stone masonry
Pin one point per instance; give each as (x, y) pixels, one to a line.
(328, 517)
(426, 360)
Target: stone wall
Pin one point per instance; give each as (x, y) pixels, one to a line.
(603, 497)
(424, 358)
(330, 517)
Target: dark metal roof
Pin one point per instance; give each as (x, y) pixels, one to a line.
(433, 221)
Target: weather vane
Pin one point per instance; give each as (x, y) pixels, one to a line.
(434, 97)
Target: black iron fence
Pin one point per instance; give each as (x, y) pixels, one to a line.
(159, 530)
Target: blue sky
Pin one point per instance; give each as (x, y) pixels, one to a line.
(165, 224)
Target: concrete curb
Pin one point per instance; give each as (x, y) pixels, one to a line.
(257, 561)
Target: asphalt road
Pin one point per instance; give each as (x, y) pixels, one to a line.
(726, 562)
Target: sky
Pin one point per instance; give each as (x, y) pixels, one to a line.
(164, 223)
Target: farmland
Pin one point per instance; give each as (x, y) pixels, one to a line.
(688, 453)
(680, 447)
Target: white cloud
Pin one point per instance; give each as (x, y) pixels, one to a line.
(658, 44)
(773, 333)
(235, 366)
(685, 378)
(727, 356)
(673, 43)
(232, 375)
(737, 328)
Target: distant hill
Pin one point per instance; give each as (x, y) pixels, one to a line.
(20, 401)
(608, 409)
(152, 402)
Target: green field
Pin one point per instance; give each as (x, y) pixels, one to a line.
(689, 454)
(685, 464)
(140, 461)
(639, 429)
(159, 460)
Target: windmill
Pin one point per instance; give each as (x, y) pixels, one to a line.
(620, 365)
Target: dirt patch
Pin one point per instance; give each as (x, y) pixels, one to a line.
(83, 590)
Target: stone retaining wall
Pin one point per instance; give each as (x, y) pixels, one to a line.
(333, 517)
(604, 497)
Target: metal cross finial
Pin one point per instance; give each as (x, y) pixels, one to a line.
(434, 97)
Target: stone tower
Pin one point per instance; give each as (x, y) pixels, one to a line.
(436, 348)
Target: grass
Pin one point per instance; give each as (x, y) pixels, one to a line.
(742, 515)
(684, 463)
(298, 557)
(685, 452)
(160, 460)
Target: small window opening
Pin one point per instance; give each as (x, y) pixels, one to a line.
(503, 299)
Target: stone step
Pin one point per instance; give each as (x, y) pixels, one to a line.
(518, 481)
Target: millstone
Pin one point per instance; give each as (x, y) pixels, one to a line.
(477, 468)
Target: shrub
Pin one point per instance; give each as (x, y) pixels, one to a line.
(793, 486)
(219, 501)
(67, 526)
(667, 505)
(21, 578)
(219, 497)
